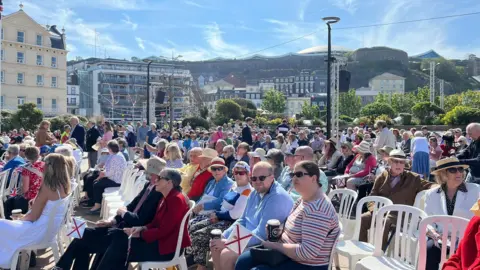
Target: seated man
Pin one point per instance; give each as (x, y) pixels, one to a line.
(268, 201)
(396, 184)
(138, 213)
(13, 161)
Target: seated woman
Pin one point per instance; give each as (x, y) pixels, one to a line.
(159, 149)
(157, 240)
(51, 200)
(32, 177)
(173, 156)
(232, 208)
(331, 155)
(242, 152)
(311, 228)
(360, 166)
(345, 159)
(110, 177)
(454, 197)
(435, 151)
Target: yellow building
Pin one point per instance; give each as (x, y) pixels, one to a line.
(387, 83)
(34, 65)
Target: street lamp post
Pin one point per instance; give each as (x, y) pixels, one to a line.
(171, 84)
(329, 21)
(149, 62)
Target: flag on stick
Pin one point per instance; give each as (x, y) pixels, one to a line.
(77, 228)
(239, 238)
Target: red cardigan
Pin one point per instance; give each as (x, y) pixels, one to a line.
(166, 224)
(467, 256)
(199, 184)
(370, 163)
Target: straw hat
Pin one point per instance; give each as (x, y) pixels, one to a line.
(398, 154)
(386, 149)
(451, 162)
(217, 162)
(332, 141)
(363, 148)
(209, 153)
(259, 152)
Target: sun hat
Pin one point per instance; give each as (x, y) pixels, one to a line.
(332, 141)
(154, 165)
(259, 152)
(208, 153)
(398, 154)
(348, 145)
(451, 162)
(217, 162)
(363, 148)
(242, 165)
(386, 149)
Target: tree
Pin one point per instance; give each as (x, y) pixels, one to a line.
(461, 115)
(274, 101)
(310, 112)
(228, 109)
(374, 110)
(423, 94)
(204, 112)
(426, 111)
(195, 122)
(27, 116)
(350, 103)
(248, 107)
(403, 103)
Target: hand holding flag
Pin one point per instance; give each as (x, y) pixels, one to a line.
(239, 238)
(77, 228)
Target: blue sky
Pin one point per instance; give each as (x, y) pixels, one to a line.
(204, 29)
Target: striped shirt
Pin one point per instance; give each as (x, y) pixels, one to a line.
(314, 227)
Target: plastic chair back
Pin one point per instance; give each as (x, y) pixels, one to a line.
(406, 228)
(420, 200)
(347, 198)
(378, 203)
(456, 229)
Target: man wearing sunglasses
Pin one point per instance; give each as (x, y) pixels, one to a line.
(398, 185)
(471, 155)
(268, 201)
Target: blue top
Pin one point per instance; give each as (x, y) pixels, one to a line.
(151, 135)
(219, 188)
(12, 165)
(142, 133)
(275, 204)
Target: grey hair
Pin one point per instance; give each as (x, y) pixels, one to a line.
(223, 142)
(418, 134)
(14, 149)
(162, 142)
(64, 150)
(229, 147)
(174, 176)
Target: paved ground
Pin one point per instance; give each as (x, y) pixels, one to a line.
(45, 257)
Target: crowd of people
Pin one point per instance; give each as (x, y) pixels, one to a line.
(238, 174)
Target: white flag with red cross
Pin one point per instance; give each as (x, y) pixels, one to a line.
(239, 238)
(77, 228)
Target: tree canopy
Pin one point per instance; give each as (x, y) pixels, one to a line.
(274, 101)
(374, 110)
(27, 116)
(350, 103)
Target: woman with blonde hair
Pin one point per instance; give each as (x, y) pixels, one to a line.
(173, 156)
(43, 136)
(51, 202)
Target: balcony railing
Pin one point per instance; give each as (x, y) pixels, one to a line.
(115, 80)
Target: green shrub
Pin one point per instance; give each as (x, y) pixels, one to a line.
(461, 115)
(437, 121)
(406, 118)
(364, 120)
(318, 122)
(299, 122)
(346, 118)
(426, 111)
(219, 120)
(376, 109)
(385, 118)
(58, 122)
(261, 120)
(275, 122)
(195, 122)
(247, 106)
(228, 109)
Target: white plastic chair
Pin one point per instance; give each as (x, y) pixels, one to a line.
(353, 249)
(118, 191)
(408, 220)
(112, 206)
(3, 196)
(420, 200)
(178, 259)
(347, 199)
(456, 228)
(124, 196)
(50, 239)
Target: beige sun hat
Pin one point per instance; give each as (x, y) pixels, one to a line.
(451, 162)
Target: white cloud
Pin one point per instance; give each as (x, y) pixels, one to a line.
(129, 22)
(303, 6)
(140, 43)
(172, 43)
(214, 37)
(192, 3)
(348, 5)
(288, 30)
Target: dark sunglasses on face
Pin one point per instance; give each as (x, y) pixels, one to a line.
(299, 174)
(239, 173)
(261, 178)
(455, 170)
(216, 169)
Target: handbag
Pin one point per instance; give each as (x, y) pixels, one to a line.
(270, 257)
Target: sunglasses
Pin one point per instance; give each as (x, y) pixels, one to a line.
(239, 173)
(397, 161)
(299, 174)
(162, 178)
(216, 169)
(455, 170)
(261, 178)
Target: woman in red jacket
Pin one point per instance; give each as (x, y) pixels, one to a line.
(360, 166)
(158, 240)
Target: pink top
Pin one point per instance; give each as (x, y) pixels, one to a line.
(370, 163)
(217, 136)
(107, 136)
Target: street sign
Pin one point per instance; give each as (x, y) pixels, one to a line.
(162, 114)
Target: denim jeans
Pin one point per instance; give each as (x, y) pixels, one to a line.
(246, 262)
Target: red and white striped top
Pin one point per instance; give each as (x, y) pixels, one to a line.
(314, 227)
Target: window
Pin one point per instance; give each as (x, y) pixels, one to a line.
(2, 56)
(54, 61)
(3, 76)
(20, 78)
(54, 82)
(39, 60)
(2, 33)
(39, 103)
(2, 99)
(39, 40)
(40, 80)
(20, 57)
(73, 91)
(20, 36)
(73, 100)
(54, 104)
(20, 100)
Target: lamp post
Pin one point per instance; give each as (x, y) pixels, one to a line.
(171, 85)
(149, 62)
(329, 21)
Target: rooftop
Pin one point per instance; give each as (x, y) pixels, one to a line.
(431, 54)
(323, 49)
